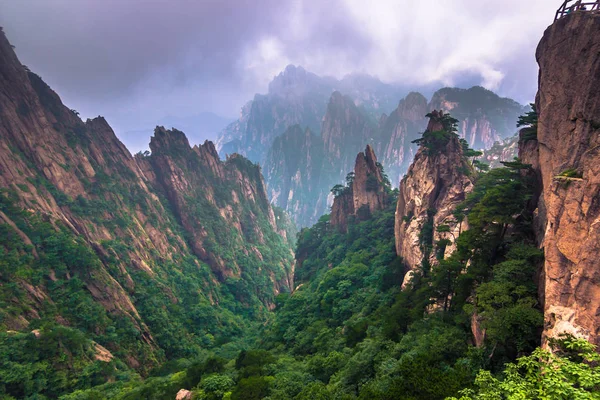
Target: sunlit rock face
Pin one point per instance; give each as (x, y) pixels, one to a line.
(365, 195)
(484, 117)
(568, 215)
(434, 185)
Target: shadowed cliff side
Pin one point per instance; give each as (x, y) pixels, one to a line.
(566, 158)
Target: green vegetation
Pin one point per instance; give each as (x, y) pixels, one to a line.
(436, 141)
(349, 332)
(359, 336)
(179, 275)
(530, 123)
(181, 311)
(570, 371)
(571, 173)
(60, 360)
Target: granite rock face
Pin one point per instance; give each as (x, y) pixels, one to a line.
(568, 138)
(368, 185)
(365, 195)
(299, 97)
(344, 116)
(345, 131)
(298, 183)
(434, 185)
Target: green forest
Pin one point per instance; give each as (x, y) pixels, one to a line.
(347, 331)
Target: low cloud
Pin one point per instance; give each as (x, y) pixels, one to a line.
(138, 61)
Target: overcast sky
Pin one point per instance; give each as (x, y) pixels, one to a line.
(136, 61)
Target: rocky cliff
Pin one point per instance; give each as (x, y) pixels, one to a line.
(345, 115)
(366, 193)
(297, 96)
(436, 182)
(301, 167)
(153, 257)
(566, 157)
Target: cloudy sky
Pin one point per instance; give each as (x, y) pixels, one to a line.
(137, 61)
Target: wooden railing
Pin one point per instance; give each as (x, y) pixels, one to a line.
(572, 6)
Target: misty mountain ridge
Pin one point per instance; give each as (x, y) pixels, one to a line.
(198, 127)
(342, 116)
(297, 96)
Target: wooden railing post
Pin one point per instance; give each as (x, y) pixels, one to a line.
(577, 5)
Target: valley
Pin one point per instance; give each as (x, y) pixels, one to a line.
(343, 239)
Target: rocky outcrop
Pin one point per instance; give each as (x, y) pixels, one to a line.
(368, 186)
(295, 97)
(484, 117)
(184, 394)
(366, 194)
(345, 115)
(434, 185)
(568, 139)
(299, 97)
(207, 194)
(301, 167)
(342, 209)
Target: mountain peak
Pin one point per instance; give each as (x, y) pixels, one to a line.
(167, 140)
(413, 107)
(336, 97)
(365, 193)
(292, 69)
(292, 80)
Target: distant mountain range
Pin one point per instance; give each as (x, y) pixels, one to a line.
(306, 131)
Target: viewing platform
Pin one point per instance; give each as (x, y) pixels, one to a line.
(573, 6)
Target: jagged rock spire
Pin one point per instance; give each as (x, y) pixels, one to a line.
(434, 185)
(365, 194)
